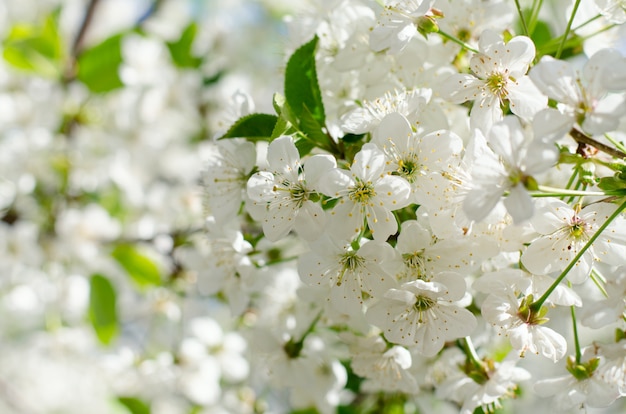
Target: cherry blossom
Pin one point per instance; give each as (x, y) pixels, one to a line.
(422, 315)
(499, 75)
(365, 193)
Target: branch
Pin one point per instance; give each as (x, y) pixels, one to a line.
(82, 31)
(584, 139)
(70, 70)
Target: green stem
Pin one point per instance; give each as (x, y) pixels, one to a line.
(547, 191)
(575, 332)
(535, 306)
(521, 18)
(571, 180)
(567, 30)
(578, 184)
(615, 142)
(552, 46)
(470, 351)
(457, 41)
(599, 281)
(534, 16)
(580, 26)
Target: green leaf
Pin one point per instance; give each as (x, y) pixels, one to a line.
(254, 127)
(301, 85)
(102, 308)
(98, 67)
(282, 127)
(542, 34)
(313, 130)
(37, 49)
(613, 185)
(134, 405)
(181, 50)
(142, 270)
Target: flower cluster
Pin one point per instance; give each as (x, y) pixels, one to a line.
(428, 216)
(447, 191)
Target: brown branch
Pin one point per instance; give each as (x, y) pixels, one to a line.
(584, 139)
(70, 72)
(82, 31)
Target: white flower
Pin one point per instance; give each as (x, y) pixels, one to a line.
(582, 98)
(347, 272)
(83, 231)
(613, 371)
(414, 156)
(613, 10)
(287, 191)
(509, 161)
(384, 368)
(397, 24)
(366, 192)
(579, 388)
(371, 112)
(422, 315)
(225, 176)
(565, 231)
(424, 255)
(467, 19)
(499, 75)
(522, 327)
(488, 384)
(306, 366)
(502, 281)
(610, 310)
(219, 263)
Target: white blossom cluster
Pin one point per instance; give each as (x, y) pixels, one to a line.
(455, 239)
(428, 218)
(100, 203)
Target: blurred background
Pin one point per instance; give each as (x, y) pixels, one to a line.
(107, 110)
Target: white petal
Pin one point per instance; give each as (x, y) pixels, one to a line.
(394, 127)
(485, 113)
(283, 158)
(335, 182)
(517, 55)
(437, 149)
(551, 216)
(369, 163)
(479, 203)
(279, 220)
(462, 87)
(381, 222)
(525, 99)
(261, 187)
(519, 204)
(346, 219)
(392, 192)
(310, 221)
(316, 166)
(550, 125)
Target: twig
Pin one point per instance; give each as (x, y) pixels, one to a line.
(70, 70)
(582, 138)
(82, 31)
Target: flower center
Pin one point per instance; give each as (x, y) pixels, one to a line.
(362, 192)
(577, 228)
(350, 262)
(415, 265)
(299, 193)
(409, 168)
(496, 82)
(422, 304)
